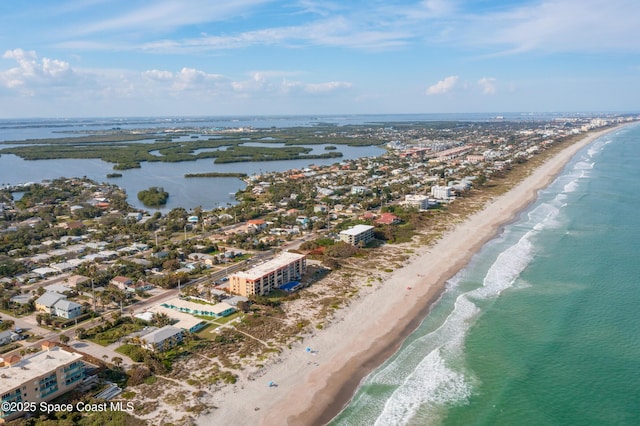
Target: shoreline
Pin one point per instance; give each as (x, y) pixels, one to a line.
(377, 324)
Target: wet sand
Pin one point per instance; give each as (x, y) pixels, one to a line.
(314, 387)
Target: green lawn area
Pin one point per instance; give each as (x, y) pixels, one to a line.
(111, 335)
(225, 320)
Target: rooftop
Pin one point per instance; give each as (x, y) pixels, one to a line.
(34, 366)
(261, 270)
(356, 230)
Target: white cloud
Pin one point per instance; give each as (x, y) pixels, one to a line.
(158, 75)
(32, 71)
(443, 86)
(488, 85)
(314, 88)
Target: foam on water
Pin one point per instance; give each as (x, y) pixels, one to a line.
(429, 373)
(431, 382)
(425, 382)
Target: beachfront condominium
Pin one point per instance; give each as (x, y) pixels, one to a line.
(357, 234)
(441, 192)
(38, 378)
(417, 200)
(273, 274)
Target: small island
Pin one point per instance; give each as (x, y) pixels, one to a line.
(153, 197)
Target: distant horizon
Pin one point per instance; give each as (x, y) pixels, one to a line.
(293, 115)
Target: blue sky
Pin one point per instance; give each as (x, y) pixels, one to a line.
(69, 58)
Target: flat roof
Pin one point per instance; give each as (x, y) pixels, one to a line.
(185, 321)
(282, 260)
(356, 230)
(32, 367)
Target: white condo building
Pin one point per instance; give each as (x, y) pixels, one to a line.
(357, 234)
(441, 192)
(416, 200)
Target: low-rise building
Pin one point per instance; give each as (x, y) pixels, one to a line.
(8, 336)
(38, 378)
(203, 309)
(388, 219)
(162, 339)
(121, 282)
(261, 279)
(67, 309)
(357, 234)
(45, 302)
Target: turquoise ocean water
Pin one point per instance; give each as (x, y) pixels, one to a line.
(543, 326)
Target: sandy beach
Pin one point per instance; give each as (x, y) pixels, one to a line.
(312, 387)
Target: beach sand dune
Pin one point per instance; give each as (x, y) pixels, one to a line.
(312, 386)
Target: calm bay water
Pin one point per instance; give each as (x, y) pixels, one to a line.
(189, 193)
(542, 327)
(207, 193)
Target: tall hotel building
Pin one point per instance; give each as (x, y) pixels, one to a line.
(261, 279)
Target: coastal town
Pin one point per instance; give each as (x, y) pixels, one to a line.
(151, 318)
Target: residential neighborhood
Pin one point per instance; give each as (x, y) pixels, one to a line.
(97, 296)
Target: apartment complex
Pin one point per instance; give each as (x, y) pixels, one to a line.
(37, 378)
(261, 279)
(441, 192)
(357, 234)
(417, 200)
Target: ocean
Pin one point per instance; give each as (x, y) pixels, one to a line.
(542, 327)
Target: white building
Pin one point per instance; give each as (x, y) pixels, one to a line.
(162, 339)
(441, 192)
(415, 200)
(357, 234)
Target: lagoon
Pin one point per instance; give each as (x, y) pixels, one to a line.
(208, 193)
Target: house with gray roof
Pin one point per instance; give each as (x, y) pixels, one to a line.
(67, 309)
(45, 302)
(162, 339)
(8, 336)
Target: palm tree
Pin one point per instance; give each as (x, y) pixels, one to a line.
(80, 333)
(117, 361)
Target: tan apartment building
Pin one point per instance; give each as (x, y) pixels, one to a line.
(38, 378)
(261, 279)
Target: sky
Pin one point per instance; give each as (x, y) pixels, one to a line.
(99, 58)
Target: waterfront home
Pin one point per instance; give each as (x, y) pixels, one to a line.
(162, 339)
